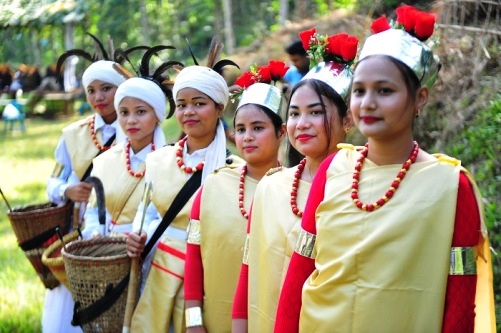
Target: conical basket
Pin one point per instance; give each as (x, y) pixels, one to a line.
(92, 267)
(35, 226)
(53, 259)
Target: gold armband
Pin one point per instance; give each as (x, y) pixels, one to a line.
(193, 317)
(463, 261)
(245, 259)
(194, 235)
(57, 171)
(305, 244)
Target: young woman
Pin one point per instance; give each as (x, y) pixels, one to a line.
(395, 230)
(201, 95)
(80, 143)
(219, 214)
(317, 120)
(141, 108)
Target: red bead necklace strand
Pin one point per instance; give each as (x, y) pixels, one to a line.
(179, 159)
(241, 188)
(241, 192)
(94, 138)
(295, 186)
(394, 184)
(127, 160)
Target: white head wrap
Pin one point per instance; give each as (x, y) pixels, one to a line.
(205, 80)
(209, 82)
(149, 92)
(102, 70)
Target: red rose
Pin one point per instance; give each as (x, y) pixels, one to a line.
(277, 69)
(306, 37)
(406, 15)
(245, 80)
(425, 23)
(349, 48)
(263, 72)
(334, 44)
(379, 25)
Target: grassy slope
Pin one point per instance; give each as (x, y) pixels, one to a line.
(26, 160)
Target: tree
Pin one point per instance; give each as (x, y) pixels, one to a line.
(229, 37)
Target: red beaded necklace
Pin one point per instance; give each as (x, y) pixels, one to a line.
(394, 184)
(94, 138)
(295, 186)
(127, 160)
(179, 159)
(241, 192)
(241, 188)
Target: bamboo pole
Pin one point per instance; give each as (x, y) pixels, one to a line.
(5, 199)
(134, 268)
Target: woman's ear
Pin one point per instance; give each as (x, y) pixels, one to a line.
(422, 98)
(219, 110)
(348, 120)
(282, 132)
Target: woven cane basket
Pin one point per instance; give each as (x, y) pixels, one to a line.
(31, 222)
(53, 259)
(91, 266)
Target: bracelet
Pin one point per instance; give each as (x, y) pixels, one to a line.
(193, 317)
(62, 189)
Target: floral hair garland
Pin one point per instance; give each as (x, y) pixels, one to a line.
(273, 71)
(341, 48)
(417, 23)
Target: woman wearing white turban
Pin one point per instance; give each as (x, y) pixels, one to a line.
(141, 108)
(200, 94)
(79, 144)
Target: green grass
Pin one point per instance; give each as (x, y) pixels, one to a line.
(26, 161)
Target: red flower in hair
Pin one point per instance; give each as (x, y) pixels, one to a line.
(381, 24)
(334, 44)
(306, 37)
(341, 46)
(246, 79)
(277, 69)
(263, 73)
(349, 48)
(425, 23)
(406, 15)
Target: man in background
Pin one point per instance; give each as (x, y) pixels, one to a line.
(300, 63)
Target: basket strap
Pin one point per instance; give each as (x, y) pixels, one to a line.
(90, 313)
(89, 169)
(37, 241)
(189, 188)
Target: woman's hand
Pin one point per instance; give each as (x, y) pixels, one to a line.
(79, 192)
(135, 244)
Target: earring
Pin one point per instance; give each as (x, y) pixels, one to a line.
(346, 130)
(417, 114)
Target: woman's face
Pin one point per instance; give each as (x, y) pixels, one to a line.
(100, 96)
(255, 136)
(138, 120)
(380, 102)
(305, 124)
(196, 113)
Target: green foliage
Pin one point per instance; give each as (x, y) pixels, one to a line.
(379, 7)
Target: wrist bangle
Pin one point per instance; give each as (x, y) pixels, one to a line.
(193, 317)
(62, 189)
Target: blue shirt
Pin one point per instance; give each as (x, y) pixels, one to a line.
(293, 76)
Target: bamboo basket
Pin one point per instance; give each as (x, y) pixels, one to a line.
(34, 227)
(91, 266)
(53, 259)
